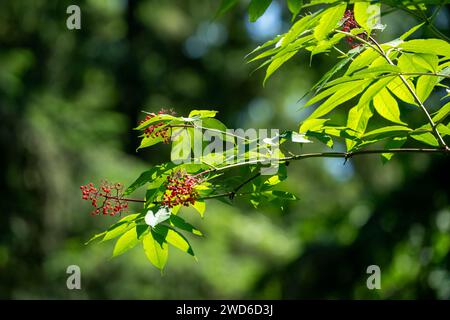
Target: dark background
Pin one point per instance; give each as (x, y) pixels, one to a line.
(68, 102)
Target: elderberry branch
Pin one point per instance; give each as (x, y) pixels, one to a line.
(349, 154)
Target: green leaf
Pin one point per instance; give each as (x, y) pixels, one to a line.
(200, 206)
(387, 107)
(212, 123)
(443, 130)
(277, 63)
(293, 137)
(294, 7)
(300, 27)
(358, 118)
(343, 132)
(416, 62)
(367, 15)
(180, 223)
(362, 61)
(148, 176)
(399, 89)
(312, 125)
(157, 118)
(265, 45)
(429, 62)
(408, 33)
(346, 86)
(442, 113)
(156, 249)
(174, 238)
(117, 230)
(202, 114)
(427, 138)
(127, 241)
(407, 64)
(257, 8)
(181, 145)
(149, 141)
(339, 98)
(425, 86)
(326, 78)
(431, 46)
(322, 137)
(375, 71)
(329, 20)
(373, 90)
(95, 237)
(324, 46)
(388, 129)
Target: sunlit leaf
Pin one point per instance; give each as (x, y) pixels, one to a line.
(431, 46)
(386, 106)
(367, 15)
(202, 114)
(373, 90)
(180, 223)
(408, 33)
(425, 85)
(174, 238)
(200, 206)
(362, 61)
(277, 63)
(127, 241)
(149, 141)
(401, 91)
(358, 118)
(156, 249)
(339, 98)
(427, 138)
(387, 129)
(443, 112)
(329, 20)
(148, 176)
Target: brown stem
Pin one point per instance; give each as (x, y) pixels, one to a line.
(344, 155)
(122, 199)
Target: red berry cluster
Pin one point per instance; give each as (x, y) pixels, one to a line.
(106, 200)
(151, 131)
(350, 24)
(180, 189)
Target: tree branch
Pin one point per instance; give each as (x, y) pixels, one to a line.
(345, 155)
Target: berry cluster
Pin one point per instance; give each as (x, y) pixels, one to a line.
(152, 130)
(110, 196)
(350, 24)
(180, 189)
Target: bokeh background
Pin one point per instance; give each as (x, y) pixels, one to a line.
(68, 102)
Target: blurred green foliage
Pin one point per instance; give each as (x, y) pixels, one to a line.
(68, 101)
